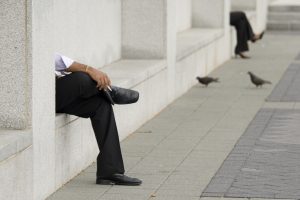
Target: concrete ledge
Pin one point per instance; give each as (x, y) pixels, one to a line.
(129, 73)
(13, 141)
(192, 40)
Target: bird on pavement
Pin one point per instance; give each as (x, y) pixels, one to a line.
(207, 80)
(258, 82)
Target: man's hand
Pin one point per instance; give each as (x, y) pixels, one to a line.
(100, 77)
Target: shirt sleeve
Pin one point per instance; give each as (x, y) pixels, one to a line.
(62, 62)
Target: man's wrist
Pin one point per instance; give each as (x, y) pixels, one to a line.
(86, 68)
(89, 69)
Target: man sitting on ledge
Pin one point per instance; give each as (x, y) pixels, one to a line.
(81, 90)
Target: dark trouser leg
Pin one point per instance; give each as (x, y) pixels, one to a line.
(76, 94)
(244, 30)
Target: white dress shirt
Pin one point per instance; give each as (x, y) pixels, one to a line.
(61, 64)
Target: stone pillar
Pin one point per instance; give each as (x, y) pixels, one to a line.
(15, 76)
(43, 92)
(209, 13)
(262, 13)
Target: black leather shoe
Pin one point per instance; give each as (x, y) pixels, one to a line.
(118, 179)
(119, 95)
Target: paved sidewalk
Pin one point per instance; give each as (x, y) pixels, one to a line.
(177, 153)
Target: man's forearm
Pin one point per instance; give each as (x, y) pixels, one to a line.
(100, 77)
(77, 67)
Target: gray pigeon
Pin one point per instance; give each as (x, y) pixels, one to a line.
(207, 80)
(258, 82)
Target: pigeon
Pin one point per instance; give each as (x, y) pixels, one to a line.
(207, 80)
(258, 82)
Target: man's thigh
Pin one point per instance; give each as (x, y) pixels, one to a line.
(73, 88)
(84, 107)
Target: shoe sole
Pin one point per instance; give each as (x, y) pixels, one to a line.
(109, 182)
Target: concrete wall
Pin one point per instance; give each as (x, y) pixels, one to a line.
(89, 32)
(262, 13)
(243, 5)
(15, 70)
(143, 29)
(183, 14)
(208, 13)
(16, 176)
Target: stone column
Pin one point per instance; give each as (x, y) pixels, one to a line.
(262, 13)
(43, 93)
(15, 76)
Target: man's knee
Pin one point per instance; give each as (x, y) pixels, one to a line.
(86, 85)
(83, 78)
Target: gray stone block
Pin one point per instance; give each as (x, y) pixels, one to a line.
(13, 141)
(14, 89)
(286, 16)
(278, 25)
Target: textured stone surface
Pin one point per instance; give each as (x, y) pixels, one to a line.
(144, 34)
(284, 15)
(192, 40)
(12, 142)
(287, 90)
(264, 162)
(16, 176)
(243, 5)
(183, 15)
(14, 90)
(208, 13)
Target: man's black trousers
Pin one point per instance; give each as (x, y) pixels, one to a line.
(76, 94)
(244, 30)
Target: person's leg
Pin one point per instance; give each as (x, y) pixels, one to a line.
(76, 94)
(72, 87)
(109, 160)
(248, 27)
(239, 21)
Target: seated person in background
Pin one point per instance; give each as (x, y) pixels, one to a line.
(80, 91)
(244, 32)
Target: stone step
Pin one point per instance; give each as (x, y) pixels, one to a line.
(284, 8)
(283, 25)
(284, 16)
